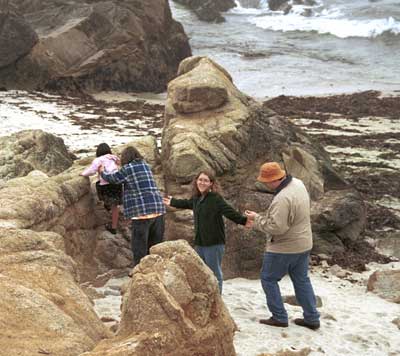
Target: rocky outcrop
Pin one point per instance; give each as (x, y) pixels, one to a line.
(91, 45)
(205, 120)
(30, 150)
(208, 10)
(42, 308)
(339, 217)
(52, 240)
(67, 204)
(210, 124)
(386, 284)
(172, 307)
(17, 38)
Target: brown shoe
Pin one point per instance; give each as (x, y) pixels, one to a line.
(272, 322)
(301, 322)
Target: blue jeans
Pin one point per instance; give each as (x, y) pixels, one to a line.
(212, 257)
(146, 233)
(275, 267)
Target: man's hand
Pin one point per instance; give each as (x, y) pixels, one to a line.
(251, 215)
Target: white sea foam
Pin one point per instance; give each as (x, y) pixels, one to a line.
(339, 27)
(242, 10)
(323, 20)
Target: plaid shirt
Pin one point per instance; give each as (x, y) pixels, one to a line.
(141, 195)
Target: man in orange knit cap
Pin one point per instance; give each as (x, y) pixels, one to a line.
(287, 222)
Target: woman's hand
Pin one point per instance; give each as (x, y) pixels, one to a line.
(167, 200)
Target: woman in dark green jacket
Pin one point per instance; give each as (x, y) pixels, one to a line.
(208, 207)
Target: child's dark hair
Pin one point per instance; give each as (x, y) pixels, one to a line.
(130, 154)
(102, 149)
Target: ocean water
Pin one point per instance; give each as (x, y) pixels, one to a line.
(335, 46)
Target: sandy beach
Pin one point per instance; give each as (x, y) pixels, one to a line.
(353, 321)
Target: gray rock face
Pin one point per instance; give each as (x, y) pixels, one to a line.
(208, 10)
(96, 45)
(31, 150)
(16, 37)
(338, 217)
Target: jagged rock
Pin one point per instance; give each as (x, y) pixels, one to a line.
(65, 204)
(172, 307)
(30, 150)
(41, 303)
(386, 284)
(190, 140)
(339, 216)
(208, 10)
(16, 37)
(98, 45)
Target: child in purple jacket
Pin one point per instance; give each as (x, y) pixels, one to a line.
(110, 194)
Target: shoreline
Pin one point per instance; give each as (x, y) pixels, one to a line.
(160, 98)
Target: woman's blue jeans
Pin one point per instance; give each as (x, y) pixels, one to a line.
(212, 257)
(275, 267)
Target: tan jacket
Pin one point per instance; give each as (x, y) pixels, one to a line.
(288, 220)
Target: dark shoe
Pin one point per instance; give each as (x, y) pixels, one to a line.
(109, 228)
(272, 322)
(301, 322)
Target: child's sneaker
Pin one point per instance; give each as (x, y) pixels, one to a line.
(109, 228)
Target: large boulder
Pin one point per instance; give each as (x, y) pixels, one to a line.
(30, 150)
(96, 45)
(338, 218)
(211, 125)
(205, 119)
(172, 307)
(42, 308)
(17, 37)
(386, 284)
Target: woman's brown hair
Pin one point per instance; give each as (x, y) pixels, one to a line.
(130, 154)
(216, 188)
